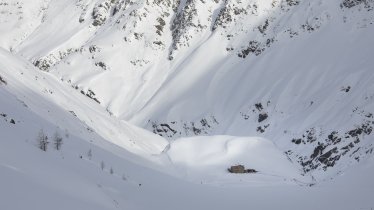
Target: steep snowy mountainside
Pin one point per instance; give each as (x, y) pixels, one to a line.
(297, 72)
(62, 107)
(19, 19)
(154, 97)
(90, 173)
(71, 178)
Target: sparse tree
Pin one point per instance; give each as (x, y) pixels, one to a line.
(42, 140)
(89, 154)
(102, 165)
(124, 177)
(57, 141)
(111, 170)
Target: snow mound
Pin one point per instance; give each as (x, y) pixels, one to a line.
(207, 158)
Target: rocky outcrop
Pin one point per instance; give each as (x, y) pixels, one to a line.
(327, 150)
(352, 3)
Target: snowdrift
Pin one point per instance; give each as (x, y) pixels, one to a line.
(206, 159)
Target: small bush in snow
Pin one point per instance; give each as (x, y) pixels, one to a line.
(57, 141)
(42, 140)
(89, 154)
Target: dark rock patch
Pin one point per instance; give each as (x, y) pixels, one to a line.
(346, 89)
(318, 150)
(296, 141)
(90, 94)
(334, 138)
(101, 65)
(262, 117)
(3, 81)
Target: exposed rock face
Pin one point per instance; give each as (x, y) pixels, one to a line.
(353, 3)
(326, 152)
(100, 13)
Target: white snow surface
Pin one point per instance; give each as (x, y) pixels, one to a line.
(46, 96)
(155, 100)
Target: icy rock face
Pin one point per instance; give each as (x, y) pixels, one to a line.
(192, 17)
(229, 13)
(325, 150)
(352, 3)
(101, 12)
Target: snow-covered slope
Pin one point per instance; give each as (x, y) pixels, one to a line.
(90, 173)
(283, 86)
(296, 72)
(62, 107)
